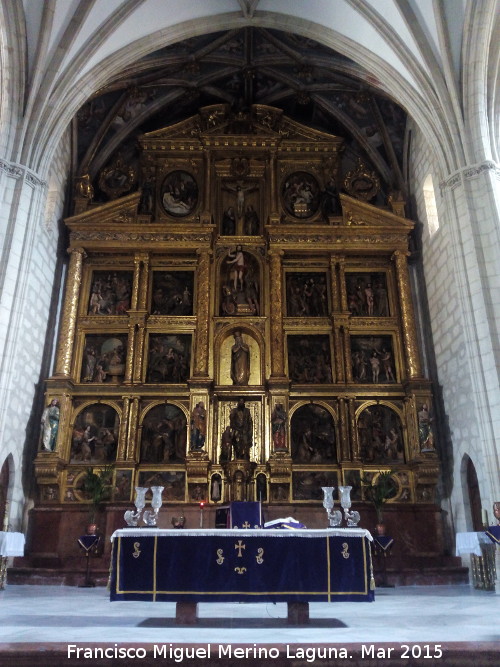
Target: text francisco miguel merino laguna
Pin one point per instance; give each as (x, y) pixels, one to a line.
(181, 653)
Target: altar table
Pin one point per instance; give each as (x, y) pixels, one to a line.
(191, 566)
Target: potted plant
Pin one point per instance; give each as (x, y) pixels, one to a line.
(379, 488)
(97, 488)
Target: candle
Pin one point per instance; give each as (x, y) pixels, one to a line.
(485, 517)
(202, 505)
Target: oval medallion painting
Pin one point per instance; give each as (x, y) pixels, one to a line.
(179, 194)
(301, 194)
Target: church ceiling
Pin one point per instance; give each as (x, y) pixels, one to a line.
(311, 83)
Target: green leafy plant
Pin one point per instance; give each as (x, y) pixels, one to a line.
(379, 488)
(97, 488)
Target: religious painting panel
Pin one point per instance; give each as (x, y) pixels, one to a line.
(352, 478)
(172, 293)
(197, 492)
(367, 294)
(309, 359)
(95, 435)
(110, 292)
(164, 435)
(240, 207)
(104, 358)
(179, 194)
(169, 358)
(301, 195)
(306, 484)
(307, 294)
(173, 482)
(240, 284)
(123, 485)
(372, 359)
(380, 435)
(313, 435)
(280, 493)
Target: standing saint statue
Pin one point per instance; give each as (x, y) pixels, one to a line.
(50, 426)
(198, 426)
(240, 360)
(278, 426)
(241, 423)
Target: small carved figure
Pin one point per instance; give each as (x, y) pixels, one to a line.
(229, 222)
(425, 433)
(226, 449)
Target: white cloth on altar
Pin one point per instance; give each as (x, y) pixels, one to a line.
(470, 543)
(11, 544)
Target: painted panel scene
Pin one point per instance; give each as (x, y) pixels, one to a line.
(110, 292)
(306, 484)
(164, 435)
(95, 435)
(306, 295)
(313, 435)
(367, 294)
(309, 359)
(372, 359)
(104, 358)
(172, 293)
(123, 485)
(179, 194)
(380, 435)
(169, 358)
(240, 284)
(173, 482)
(301, 195)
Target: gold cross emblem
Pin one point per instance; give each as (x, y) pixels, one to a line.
(246, 525)
(240, 546)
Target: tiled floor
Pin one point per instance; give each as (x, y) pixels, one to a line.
(405, 614)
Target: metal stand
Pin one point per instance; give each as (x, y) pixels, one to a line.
(382, 547)
(88, 543)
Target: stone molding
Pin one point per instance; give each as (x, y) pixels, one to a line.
(18, 171)
(468, 173)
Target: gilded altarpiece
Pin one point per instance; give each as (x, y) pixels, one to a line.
(225, 336)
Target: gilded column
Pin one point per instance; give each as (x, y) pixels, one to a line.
(334, 284)
(344, 431)
(276, 301)
(129, 361)
(413, 368)
(143, 281)
(70, 311)
(272, 182)
(342, 286)
(132, 429)
(122, 437)
(353, 431)
(135, 285)
(203, 313)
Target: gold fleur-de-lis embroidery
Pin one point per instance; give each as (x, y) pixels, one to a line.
(220, 556)
(258, 557)
(137, 551)
(345, 550)
(240, 570)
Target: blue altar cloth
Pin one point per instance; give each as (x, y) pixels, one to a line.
(245, 514)
(233, 565)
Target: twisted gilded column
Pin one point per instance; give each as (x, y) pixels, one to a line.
(70, 310)
(276, 314)
(342, 286)
(203, 313)
(272, 182)
(413, 368)
(123, 435)
(334, 284)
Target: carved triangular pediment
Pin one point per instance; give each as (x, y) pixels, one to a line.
(118, 211)
(218, 121)
(357, 213)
